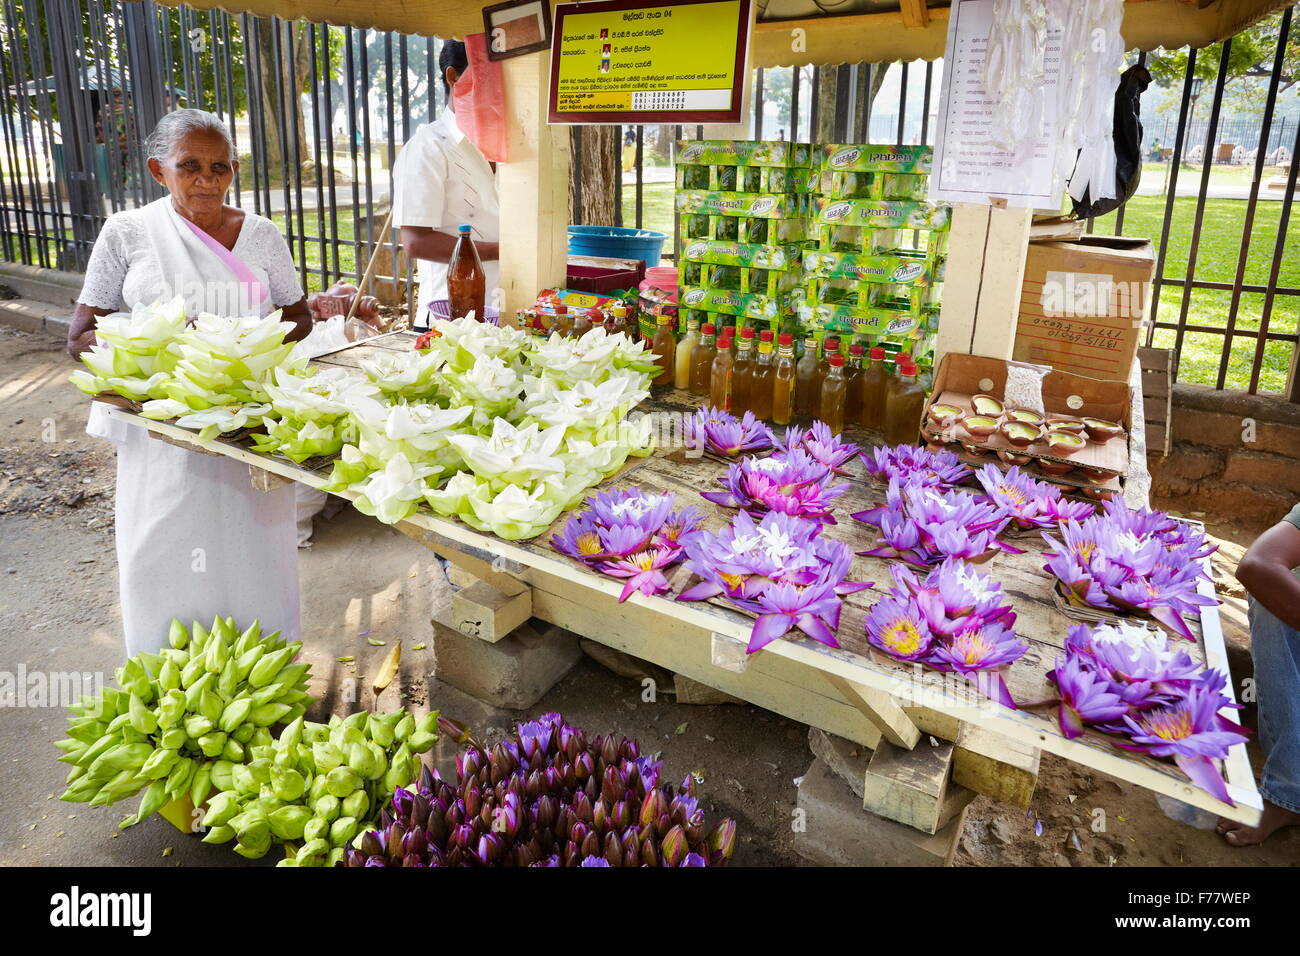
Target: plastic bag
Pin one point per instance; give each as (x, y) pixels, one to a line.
(479, 99)
(1127, 138)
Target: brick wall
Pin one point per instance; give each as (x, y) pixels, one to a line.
(1235, 456)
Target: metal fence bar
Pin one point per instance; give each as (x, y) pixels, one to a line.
(1279, 249)
(1175, 162)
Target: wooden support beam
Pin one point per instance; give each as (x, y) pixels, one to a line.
(995, 766)
(729, 653)
(881, 709)
(490, 613)
(986, 267)
(912, 786)
(264, 480)
(534, 188)
(915, 14)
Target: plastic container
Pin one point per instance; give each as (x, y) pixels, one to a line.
(617, 242)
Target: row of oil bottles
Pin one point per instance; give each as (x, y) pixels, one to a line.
(745, 373)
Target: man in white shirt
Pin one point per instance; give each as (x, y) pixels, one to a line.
(441, 180)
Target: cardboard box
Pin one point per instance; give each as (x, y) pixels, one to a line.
(1083, 303)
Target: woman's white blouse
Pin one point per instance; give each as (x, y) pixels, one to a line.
(124, 272)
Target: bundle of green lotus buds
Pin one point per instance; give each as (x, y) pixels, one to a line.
(548, 796)
(182, 719)
(318, 785)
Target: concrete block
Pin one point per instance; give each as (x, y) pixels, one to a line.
(844, 758)
(514, 672)
(16, 314)
(834, 830)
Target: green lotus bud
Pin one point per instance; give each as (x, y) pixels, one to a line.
(316, 789)
(228, 681)
(288, 823)
(317, 848)
(201, 784)
(216, 655)
(171, 709)
(159, 764)
(398, 773)
(335, 856)
(234, 714)
(194, 692)
(291, 736)
(222, 771)
(312, 732)
(212, 744)
(233, 751)
(211, 705)
(252, 637)
(177, 635)
(169, 677)
(243, 779)
(182, 773)
(356, 805)
(218, 835)
(404, 727)
(317, 828)
(295, 675)
(360, 761)
(267, 714)
(341, 781)
(260, 768)
(142, 718)
(342, 830)
(381, 729)
(174, 739)
(149, 662)
(221, 809)
(196, 725)
(192, 671)
(429, 722)
(128, 757)
(288, 785)
(243, 733)
(266, 669)
(254, 851)
(155, 795)
(261, 737)
(422, 741)
(244, 663)
(327, 807)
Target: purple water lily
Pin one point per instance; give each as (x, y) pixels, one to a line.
(1028, 502)
(979, 653)
(630, 535)
(898, 627)
(724, 434)
(820, 444)
(913, 464)
(1086, 697)
(924, 525)
(791, 483)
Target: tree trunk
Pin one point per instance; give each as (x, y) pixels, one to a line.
(294, 66)
(594, 164)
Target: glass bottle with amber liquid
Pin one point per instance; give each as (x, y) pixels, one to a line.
(783, 381)
(466, 280)
(689, 342)
(830, 347)
(562, 324)
(874, 381)
(618, 321)
(832, 400)
(853, 372)
(805, 383)
(741, 371)
(903, 402)
(664, 345)
(720, 373)
(761, 378)
(702, 360)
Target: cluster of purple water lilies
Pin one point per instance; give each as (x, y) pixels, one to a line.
(913, 464)
(923, 525)
(820, 445)
(955, 620)
(1132, 682)
(780, 568)
(1029, 503)
(790, 481)
(1132, 562)
(633, 535)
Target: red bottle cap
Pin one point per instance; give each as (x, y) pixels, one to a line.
(903, 358)
(877, 352)
(906, 368)
(831, 345)
(765, 335)
(747, 333)
(836, 360)
(785, 338)
(708, 328)
(856, 350)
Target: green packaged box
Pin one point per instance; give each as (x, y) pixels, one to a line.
(882, 213)
(752, 254)
(868, 158)
(750, 305)
(738, 278)
(740, 229)
(872, 322)
(714, 152)
(750, 205)
(895, 269)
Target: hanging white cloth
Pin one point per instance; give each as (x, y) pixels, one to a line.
(194, 539)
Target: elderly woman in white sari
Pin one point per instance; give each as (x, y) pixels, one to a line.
(194, 539)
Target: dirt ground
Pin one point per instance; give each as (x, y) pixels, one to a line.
(362, 581)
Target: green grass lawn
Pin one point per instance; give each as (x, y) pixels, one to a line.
(1216, 261)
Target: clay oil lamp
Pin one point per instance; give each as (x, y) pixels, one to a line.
(986, 406)
(1064, 443)
(1072, 425)
(943, 416)
(1010, 457)
(1020, 434)
(1100, 430)
(1024, 415)
(979, 426)
(1055, 469)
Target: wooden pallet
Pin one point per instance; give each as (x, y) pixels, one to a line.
(851, 691)
(1157, 396)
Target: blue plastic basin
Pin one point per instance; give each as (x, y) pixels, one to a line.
(617, 242)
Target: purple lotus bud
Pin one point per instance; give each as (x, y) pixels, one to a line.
(613, 850)
(721, 842)
(538, 760)
(631, 749)
(489, 848)
(689, 786)
(547, 811)
(674, 846)
(455, 814)
(621, 815)
(578, 832)
(662, 825)
(533, 786)
(694, 827)
(402, 799)
(648, 855)
(555, 779)
(355, 857)
(427, 779)
(461, 836)
(654, 806)
(590, 845)
(385, 819)
(455, 857)
(523, 855)
(473, 803)
(583, 766)
(582, 806)
(419, 809)
(415, 843)
(436, 827)
(609, 749)
(613, 785)
(411, 860)
(600, 817)
(693, 859)
(453, 729)
(376, 861)
(371, 844)
(592, 788)
(468, 763)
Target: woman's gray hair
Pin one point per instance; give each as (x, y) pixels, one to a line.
(175, 126)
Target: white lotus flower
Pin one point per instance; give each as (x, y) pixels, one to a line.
(394, 492)
(512, 513)
(512, 455)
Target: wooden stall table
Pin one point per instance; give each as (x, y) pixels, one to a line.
(853, 691)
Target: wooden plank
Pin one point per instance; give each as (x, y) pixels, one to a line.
(915, 14)
(913, 787)
(881, 709)
(490, 613)
(961, 284)
(533, 187)
(1000, 285)
(987, 763)
(728, 653)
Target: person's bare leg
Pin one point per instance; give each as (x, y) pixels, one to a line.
(1274, 819)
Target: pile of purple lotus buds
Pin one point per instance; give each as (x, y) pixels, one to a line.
(1132, 682)
(924, 525)
(1132, 562)
(546, 796)
(780, 568)
(632, 535)
(955, 620)
(722, 433)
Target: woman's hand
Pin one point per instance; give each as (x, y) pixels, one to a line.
(81, 333)
(337, 299)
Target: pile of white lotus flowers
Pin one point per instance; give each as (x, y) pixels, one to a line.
(488, 424)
